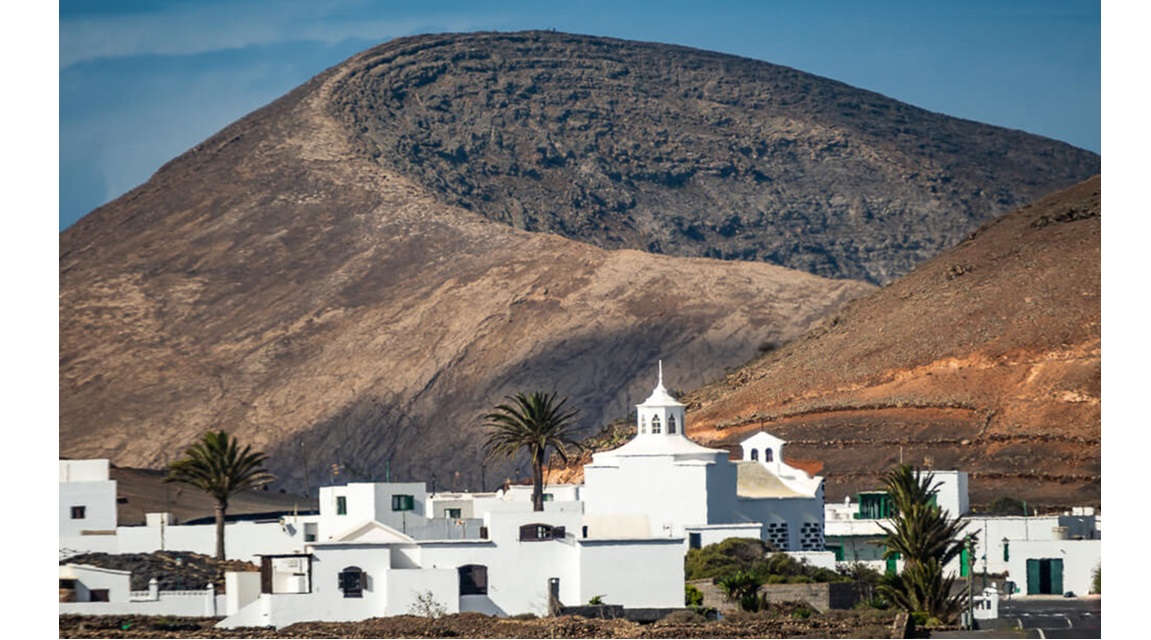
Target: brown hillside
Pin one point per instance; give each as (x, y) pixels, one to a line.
(277, 283)
(985, 359)
(333, 280)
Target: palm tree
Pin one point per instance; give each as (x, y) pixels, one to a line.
(533, 422)
(926, 537)
(217, 466)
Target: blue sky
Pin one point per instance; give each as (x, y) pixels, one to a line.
(141, 81)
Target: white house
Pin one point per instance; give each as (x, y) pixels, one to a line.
(510, 567)
(1041, 554)
(87, 498)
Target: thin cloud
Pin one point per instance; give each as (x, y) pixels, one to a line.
(188, 29)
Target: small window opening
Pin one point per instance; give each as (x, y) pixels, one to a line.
(352, 582)
(78, 513)
(671, 424)
(767, 455)
(453, 513)
(755, 454)
(473, 580)
(403, 502)
(341, 505)
(655, 427)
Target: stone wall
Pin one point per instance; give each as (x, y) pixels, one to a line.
(821, 596)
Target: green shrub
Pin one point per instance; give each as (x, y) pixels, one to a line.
(692, 596)
(1097, 580)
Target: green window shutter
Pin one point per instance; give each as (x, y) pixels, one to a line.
(341, 506)
(1006, 554)
(403, 503)
(964, 561)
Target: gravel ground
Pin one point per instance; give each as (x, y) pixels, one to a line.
(782, 621)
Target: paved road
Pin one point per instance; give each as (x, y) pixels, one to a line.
(1056, 617)
(1040, 617)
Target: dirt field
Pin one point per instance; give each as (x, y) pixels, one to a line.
(782, 621)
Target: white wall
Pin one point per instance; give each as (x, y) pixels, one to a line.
(89, 578)
(632, 573)
(369, 501)
(94, 470)
(404, 586)
(1080, 557)
(98, 498)
(794, 512)
(671, 495)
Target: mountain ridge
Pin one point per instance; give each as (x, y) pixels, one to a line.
(284, 281)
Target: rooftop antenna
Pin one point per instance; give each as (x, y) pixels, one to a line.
(661, 373)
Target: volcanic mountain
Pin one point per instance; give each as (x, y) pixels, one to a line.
(349, 277)
(985, 359)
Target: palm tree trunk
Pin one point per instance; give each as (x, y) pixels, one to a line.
(538, 480)
(221, 508)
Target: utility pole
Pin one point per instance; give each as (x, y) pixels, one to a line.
(970, 542)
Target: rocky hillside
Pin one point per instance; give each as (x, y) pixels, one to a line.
(331, 278)
(687, 152)
(986, 359)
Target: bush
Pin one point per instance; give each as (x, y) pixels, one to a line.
(426, 606)
(683, 616)
(730, 556)
(1007, 506)
(692, 596)
(1097, 580)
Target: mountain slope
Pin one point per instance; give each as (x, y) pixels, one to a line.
(986, 359)
(276, 283)
(330, 282)
(692, 153)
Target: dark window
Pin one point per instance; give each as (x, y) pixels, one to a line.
(540, 531)
(403, 503)
(98, 595)
(671, 424)
(694, 541)
(484, 533)
(549, 497)
(473, 580)
(767, 455)
(585, 531)
(643, 425)
(755, 454)
(452, 513)
(341, 506)
(352, 582)
(78, 513)
(655, 424)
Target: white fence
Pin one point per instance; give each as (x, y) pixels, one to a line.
(196, 603)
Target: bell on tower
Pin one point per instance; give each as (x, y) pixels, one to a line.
(660, 415)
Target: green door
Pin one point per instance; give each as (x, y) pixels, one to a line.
(1044, 576)
(964, 562)
(1033, 577)
(1056, 575)
(891, 564)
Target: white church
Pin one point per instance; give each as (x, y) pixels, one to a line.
(380, 549)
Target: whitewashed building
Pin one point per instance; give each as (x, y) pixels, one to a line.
(1044, 554)
(391, 548)
(87, 498)
(661, 484)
